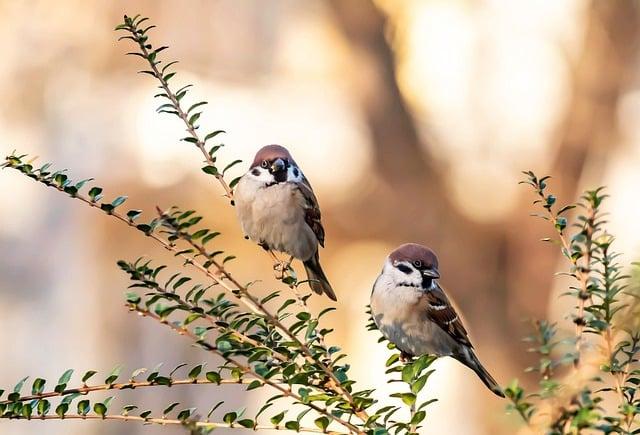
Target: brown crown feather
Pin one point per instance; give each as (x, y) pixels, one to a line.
(270, 153)
(413, 251)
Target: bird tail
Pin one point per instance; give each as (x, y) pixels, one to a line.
(317, 279)
(471, 360)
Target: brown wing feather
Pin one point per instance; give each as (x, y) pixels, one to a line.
(312, 210)
(442, 313)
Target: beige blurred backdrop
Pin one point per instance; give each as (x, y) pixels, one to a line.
(411, 118)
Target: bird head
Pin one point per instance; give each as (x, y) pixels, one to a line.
(414, 265)
(273, 164)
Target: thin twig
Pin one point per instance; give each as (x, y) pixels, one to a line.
(86, 389)
(243, 291)
(286, 391)
(166, 421)
(184, 117)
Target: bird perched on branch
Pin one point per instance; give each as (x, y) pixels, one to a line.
(278, 209)
(413, 312)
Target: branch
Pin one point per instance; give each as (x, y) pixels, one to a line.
(139, 36)
(166, 421)
(221, 271)
(149, 54)
(221, 276)
(286, 392)
(131, 385)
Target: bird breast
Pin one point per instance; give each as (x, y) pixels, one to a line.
(275, 215)
(400, 314)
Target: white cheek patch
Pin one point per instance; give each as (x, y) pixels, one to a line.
(294, 174)
(261, 175)
(399, 278)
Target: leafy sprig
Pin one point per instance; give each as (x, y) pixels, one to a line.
(602, 310)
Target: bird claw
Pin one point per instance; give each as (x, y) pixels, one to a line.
(283, 269)
(405, 358)
(280, 270)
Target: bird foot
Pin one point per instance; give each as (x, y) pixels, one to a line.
(405, 357)
(283, 269)
(280, 270)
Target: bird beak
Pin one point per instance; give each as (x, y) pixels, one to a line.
(277, 166)
(431, 273)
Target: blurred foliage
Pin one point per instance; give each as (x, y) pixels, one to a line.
(275, 342)
(272, 342)
(580, 375)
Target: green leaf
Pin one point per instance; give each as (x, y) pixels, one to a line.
(213, 134)
(132, 298)
(27, 410)
(95, 194)
(418, 385)
(211, 170)
(276, 419)
(230, 417)
(106, 207)
(213, 377)
(62, 409)
(322, 423)
(133, 214)
(230, 165)
(193, 106)
(213, 408)
(198, 234)
(170, 408)
(418, 417)
(84, 407)
(185, 414)
(38, 386)
(118, 201)
(113, 375)
(88, 375)
(247, 422)
(195, 372)
(407, 373)
(181, 281)
(408, 398)
(20, 384)
(292, 425)
(254, 384)
(100, 409)
(194, 117)
(43, 407)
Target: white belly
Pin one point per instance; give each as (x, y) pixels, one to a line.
(398, 315)
(275, 215)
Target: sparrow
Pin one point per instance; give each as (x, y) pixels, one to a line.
(413, 312)
(278, 210)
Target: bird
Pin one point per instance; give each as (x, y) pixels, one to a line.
(278, 209)
(412, 311)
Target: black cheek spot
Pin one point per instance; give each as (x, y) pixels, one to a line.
(296, 172)
(404, 269)
(255, 172)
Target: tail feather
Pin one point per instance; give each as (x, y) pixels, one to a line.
(472, 361)
(317, 279)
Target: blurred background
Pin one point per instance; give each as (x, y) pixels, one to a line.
(411, 118)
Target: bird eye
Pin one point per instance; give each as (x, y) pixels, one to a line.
(264, 164)
(417, 263)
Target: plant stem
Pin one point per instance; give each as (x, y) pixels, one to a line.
(166, 421)
(242, 292)
(286, 391)
(86, 389)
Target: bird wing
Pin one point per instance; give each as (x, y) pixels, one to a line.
(312, 211)
(441, 312)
